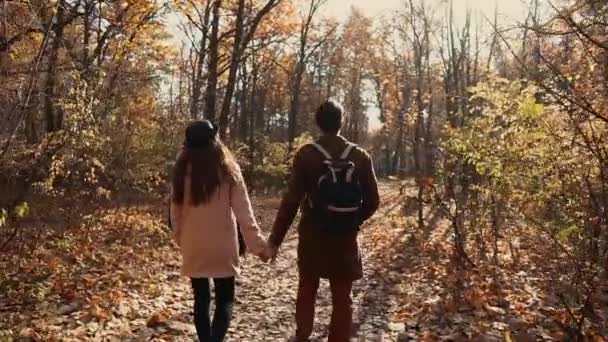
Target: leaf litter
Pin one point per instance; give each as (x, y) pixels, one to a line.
(122, 283)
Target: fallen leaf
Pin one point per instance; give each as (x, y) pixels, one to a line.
(495, 310)
(396, 327)
(69, 308)
(157, 319)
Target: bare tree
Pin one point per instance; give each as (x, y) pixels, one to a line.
(199, 40)
(420, 34)
(243, 35)
(304, 53)
(213, 61)
(65, 15)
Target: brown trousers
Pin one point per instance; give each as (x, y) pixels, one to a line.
(342, 314)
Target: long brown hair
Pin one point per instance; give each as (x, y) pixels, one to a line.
(207, 167)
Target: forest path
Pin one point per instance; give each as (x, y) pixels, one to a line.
(115, 277)
(266, 293)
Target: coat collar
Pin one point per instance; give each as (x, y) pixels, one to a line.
(331, 139)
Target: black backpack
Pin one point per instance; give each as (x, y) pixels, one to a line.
(339, 196)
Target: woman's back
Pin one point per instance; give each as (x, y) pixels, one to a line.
(209, 196)
(208, 237)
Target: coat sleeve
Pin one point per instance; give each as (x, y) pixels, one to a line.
(175, 215)
(243, 211)
(290, 202)
(369, 186)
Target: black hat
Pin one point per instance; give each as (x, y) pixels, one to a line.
(200, 134)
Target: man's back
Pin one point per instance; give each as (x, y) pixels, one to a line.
(311, 162)
(323, 254)
(319, 252)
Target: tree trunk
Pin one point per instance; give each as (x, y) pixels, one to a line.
(398, 158)
(241, 40)
(235, 60)
(245, 104)
(292, 126)
(303, 55)
(211, 91)
(53, 116)
(197, 79)
(86, 40)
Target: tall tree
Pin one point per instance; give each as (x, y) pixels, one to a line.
(303, 56)
(243, 35)
(213, 62)
(197, 31)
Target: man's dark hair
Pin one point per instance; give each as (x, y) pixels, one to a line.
(329, 117)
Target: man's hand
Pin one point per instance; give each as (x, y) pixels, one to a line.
(273, 251)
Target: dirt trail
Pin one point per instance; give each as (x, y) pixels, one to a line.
(123, 284)
(266, 294)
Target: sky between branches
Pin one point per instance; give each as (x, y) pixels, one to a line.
(509, 11)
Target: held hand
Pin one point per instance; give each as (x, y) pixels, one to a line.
(273, 251)
(265, 255)
(176, 240)
(268, 254)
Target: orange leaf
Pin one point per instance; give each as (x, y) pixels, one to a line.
(98, 313)
(157, 319)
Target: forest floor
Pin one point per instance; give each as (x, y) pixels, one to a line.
(117, 278)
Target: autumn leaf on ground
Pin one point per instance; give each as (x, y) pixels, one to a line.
(158, 318)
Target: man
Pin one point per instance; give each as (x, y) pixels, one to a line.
(322, 254)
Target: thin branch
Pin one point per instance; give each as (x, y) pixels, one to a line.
(30, 89)
(570, 21)
(560, 98)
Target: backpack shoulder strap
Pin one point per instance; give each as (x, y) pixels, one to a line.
(349, 148)
(322, 150)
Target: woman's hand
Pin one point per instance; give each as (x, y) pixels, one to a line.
(272, 251)
(176, 239)
(265, 254)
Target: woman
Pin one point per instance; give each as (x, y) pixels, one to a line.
(208, 198)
